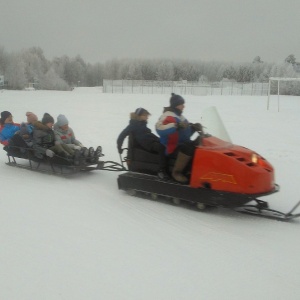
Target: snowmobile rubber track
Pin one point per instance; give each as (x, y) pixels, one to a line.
(148, 184)
(171, 189)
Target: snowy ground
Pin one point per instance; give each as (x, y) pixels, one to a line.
(82, 238)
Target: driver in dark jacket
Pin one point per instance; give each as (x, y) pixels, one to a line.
(144, 137)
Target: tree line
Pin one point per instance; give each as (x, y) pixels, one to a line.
(30, 66)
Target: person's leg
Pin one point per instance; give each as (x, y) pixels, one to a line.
(17, 141)
(17, 144)
(160, 149)
(68, 149)
(187, 148)
(185, 153)
(59, 150)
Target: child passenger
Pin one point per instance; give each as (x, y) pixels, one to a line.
(65, 134)
(23, 138)
(26, 129)
(144, 137)
(31, 119)
(44, 139)
(8, 127)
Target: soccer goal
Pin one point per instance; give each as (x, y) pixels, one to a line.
(1, 80)
(278, 79)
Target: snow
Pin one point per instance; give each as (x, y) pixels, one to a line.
(82, 238)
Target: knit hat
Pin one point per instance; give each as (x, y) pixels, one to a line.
(31, 117)
(62, 120)
(47, 119)
(141, 111)
(4, 115)
(176, 100)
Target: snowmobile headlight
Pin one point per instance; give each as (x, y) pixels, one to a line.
(254, 158)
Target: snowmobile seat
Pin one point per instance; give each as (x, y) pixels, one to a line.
(141, 160)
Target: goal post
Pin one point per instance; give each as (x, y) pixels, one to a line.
(278, 79)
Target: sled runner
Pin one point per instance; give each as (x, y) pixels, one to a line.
(24, 158)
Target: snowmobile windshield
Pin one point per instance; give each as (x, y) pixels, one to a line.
(213, 124)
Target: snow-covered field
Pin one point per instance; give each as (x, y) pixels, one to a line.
(82, 238)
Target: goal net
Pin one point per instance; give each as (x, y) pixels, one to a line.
(283, 86)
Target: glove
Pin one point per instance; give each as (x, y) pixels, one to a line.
(49, 153)
(197, 126)
(76, 147)
(182, 125)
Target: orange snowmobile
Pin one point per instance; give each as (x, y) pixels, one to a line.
(221, 174)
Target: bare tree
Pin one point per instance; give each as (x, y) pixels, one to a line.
(15, 73)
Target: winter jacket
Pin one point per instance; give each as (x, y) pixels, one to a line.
(7, 132)
(26, 132)
(142, 134)
(171, 135)
(43, 138)
(65, 136)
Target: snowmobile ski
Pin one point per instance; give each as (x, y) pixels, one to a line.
(268, 213)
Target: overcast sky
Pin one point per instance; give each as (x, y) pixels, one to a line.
(99, 30)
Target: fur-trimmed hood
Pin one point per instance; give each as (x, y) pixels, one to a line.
(39, 125)
(134, 116)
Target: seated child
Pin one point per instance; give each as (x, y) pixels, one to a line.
(65, 134)
(44, 139)
(31, 119)
(144, 137)
(26, 129)
(22, 140)
(8, 127)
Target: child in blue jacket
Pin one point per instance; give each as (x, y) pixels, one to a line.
(8, 127)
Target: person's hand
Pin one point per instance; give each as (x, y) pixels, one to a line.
(49, 153)
(197, 126)
(182, 125)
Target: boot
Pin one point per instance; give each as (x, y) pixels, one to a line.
(84, 152)
(91, 155)
(98, 152)
(91, 152)
(181, 162)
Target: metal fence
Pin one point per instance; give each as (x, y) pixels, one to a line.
(184, 87)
